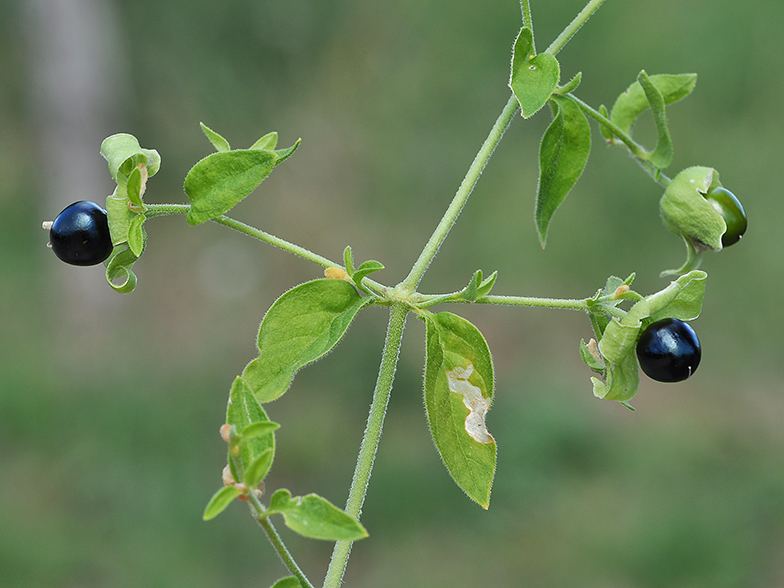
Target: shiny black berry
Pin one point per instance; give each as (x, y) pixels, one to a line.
(731, 210)
(80, 234)
(669, 350)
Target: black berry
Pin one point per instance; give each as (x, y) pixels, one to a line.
(669, 350)
(80, 234)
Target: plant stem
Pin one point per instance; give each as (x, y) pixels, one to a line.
(556, 303)
(527, 20)
(370, 439)
(153, 210)
(574, 26)
(277, 542)
(463, 192)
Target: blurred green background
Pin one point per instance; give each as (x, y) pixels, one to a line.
(110, 405)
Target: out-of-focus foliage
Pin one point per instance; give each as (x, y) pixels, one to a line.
(106, 470)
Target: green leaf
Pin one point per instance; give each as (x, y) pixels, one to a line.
(258, 429)
(606, 133)
(123, 153)
(661, 156)
(471, 291)
(137, 236)
(633, 102)
(118, 269)
(315, 517)
(562, 157)
(217, 141)
(365, 269)
(219, 501)
(267, 142)
(258, 469)
(221, 180)
(458, 393)
(300, 327)
(244, 412)
(534, 78)
(682, 299)
(588, 353)
(289, 582)
(134, 187)
(284, 154)
(486, 285)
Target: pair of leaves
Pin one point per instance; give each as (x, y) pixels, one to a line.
(301, 326)
(221, 180)
(478, 287)
(615, 356)
(654, 92)
(458, 391)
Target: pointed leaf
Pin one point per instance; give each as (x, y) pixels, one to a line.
(486, 285)
(365, 269)
(348, 260)
(300, 327)
(571, 85)
(470, 292)
(284, 154)
(633, 102)
(534, 78)
(258, 429)
(217, 141)
(258, 469)
(268, 142)
(458, 393)
(221, 180)
(315, 517)
(219, 501)
(562, 157)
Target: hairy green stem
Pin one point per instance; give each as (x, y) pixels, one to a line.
(153, 210)
(371, 438)
(463, 192)
(556, 303)
(527, 20)
(574, 26)
(277, 542)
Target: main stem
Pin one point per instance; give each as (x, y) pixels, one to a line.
(371, 438)
(463, 192)
(574, 26)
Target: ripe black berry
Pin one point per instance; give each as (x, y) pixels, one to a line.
(80, 234)
(669, 350)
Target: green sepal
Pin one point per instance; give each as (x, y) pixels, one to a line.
(284, 154)
(219, 501)
(633, 102)
(118, 266)
(563, 154)
(533, 78)
(685, 211)
(137, 235)
(288, 582)
(247, 416)
(123, 153)
(661, 156)
(134, 188)
(486, 285)
(593, 362)
(119, 215)
(217, 140)
(459, 375)
(301, 326)
(315, 517)
(622, 380)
